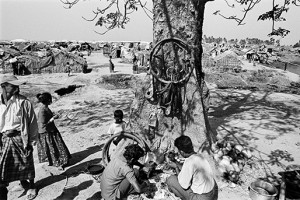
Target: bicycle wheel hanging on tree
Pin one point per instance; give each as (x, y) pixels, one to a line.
(171, 66)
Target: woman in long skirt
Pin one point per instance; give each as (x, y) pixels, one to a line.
(51, 147)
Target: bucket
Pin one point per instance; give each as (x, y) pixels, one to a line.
(96, 171)
(262, 190)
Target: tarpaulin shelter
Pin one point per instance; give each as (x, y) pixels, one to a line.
(96, 46)
(228, 61)
(73, 47)
(8, 58)
(51, 61)
(39, 46)
(5, 43)
(35, 64)
(85, 46)
(63, 60)
(11, 51)
(21, 45)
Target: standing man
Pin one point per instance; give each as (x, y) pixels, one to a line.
(18, 132)
(195, 178)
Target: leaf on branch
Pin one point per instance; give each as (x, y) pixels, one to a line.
(279, 32)
(295, 2)
(100, 21)
(244, 2)
(274, 14)
(132, 7)
(114, 15)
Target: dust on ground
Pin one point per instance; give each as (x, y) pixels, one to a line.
(266, 121)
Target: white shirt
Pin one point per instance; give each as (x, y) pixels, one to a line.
(197, 174)
(11, 118)
(116, 128)
(10, 115)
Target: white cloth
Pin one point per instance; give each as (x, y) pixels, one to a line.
(197, 174)
(116, 128)
(19, 115)
(10, 115)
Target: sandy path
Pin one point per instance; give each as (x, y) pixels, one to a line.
(268, 122)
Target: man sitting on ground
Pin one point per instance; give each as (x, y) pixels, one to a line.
(119, 179)
(195, 177)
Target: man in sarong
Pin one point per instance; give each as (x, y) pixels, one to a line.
(18, 132)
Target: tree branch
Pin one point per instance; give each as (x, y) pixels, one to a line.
(70, 4)
(112, 15)
(276, 14)
(295, 2)
(239, 20)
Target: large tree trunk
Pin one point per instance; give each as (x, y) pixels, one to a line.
(183, 20)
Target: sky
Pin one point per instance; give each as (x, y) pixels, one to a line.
(48, 20)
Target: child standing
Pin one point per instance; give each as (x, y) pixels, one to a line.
(118, 126)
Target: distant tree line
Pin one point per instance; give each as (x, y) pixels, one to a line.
(243, 42)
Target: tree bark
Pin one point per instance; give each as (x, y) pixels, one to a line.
(182, 20)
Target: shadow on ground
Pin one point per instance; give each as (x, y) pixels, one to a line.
(71, 193)
(227, 106)
(229, 109)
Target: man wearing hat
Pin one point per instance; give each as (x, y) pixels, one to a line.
(18, 132)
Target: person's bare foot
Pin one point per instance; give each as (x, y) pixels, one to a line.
(31, 193)
(23, 185)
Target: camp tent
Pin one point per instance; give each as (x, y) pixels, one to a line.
(229, 60)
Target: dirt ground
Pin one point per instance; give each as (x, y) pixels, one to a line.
(265, 121)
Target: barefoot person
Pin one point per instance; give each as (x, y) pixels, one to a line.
(195, 178)
(51, 147)
(18, 132)
(119, 178)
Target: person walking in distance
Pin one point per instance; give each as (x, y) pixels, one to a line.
(111, 65)
(135, 64)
